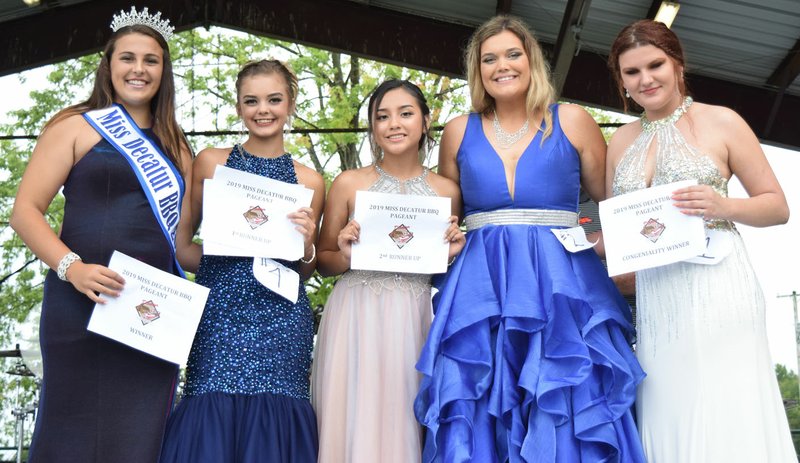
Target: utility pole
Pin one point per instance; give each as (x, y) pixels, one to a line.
(796, 334)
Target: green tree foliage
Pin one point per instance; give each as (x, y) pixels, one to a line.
(787, 382)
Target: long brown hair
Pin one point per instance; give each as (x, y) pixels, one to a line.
(540, 92)
(162, 106)
(647, 32)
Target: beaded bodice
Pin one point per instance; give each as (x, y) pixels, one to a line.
(675, 160)
(379, 281)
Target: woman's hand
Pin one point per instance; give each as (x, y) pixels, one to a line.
(347, 236)
(455, 237)
(304, 222)
(95, 280)
(701, 201)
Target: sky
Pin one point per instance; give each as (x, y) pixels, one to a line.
(774, 251)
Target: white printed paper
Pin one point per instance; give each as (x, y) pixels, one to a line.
(156, 312)
(279, 278)
(644, 229)
(246, 215)
(719, 243)
(573, 239)
(401, 233)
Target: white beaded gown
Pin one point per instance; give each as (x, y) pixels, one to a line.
(710, 394)
(363, 376)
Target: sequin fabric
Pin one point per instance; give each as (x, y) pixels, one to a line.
(250, 340)
(675, 158)
(378, 281)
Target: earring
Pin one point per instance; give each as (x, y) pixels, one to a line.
(242, 133)
(627, 95)
(289, 123)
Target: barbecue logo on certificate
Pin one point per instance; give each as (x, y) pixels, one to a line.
(147, 312)
(255, 217)
(401, 235)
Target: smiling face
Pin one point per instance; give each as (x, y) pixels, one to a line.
(264, 104)
(505, 68)
(136, 64)
(652, 78)
(398, 124)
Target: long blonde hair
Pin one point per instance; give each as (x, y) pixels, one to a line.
(541, 92)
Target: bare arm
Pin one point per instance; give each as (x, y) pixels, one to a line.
(767, 203)
(334, 259)
(187, 251)
(307, 219)
(448, 148)
(57, 150)
(584, 134)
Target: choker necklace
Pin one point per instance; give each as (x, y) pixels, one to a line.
(650, 126)
(505, 139)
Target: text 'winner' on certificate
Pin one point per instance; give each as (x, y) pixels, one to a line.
(401, 233)
(156, 312)
(644, 229)
(245, 215)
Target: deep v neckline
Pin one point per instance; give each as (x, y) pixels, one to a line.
(511, 194)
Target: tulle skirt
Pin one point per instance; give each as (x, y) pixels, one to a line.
(363, 380)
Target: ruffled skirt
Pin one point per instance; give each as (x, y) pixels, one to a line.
(528, 356)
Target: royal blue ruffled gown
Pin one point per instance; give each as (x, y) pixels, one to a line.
(528, 357)
(247, 397)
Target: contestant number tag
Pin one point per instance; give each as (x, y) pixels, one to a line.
(277, 277)
(719, 243)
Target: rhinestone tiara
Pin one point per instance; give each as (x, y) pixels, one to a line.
(162, 26)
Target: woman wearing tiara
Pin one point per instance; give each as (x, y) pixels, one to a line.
(710, 394)
(527, 357)
(102, 401)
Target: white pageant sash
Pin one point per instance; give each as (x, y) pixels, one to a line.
(160, 180)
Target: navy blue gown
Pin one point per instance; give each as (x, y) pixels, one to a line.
(528, 357)
(247, 395)
(101, 401)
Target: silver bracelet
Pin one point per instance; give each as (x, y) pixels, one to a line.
(313, 255)
(64, 264)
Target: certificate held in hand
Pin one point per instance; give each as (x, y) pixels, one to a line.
(246, 215)
(401, 233)
(156, 312)
(644, 229)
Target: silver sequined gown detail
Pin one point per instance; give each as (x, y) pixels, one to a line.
(710, 394)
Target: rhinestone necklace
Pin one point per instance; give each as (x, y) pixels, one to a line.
(651, 126)
(505, 139)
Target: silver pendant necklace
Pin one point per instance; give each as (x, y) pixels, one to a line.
(505, 139)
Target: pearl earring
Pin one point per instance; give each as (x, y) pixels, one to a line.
(627, 95)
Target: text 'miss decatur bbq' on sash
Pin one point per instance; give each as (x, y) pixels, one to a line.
(160, 180)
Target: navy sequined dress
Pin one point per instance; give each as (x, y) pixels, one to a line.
(246, 397)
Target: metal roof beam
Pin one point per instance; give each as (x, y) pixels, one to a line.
(568, 41)
(503, 7)
(788, 70)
